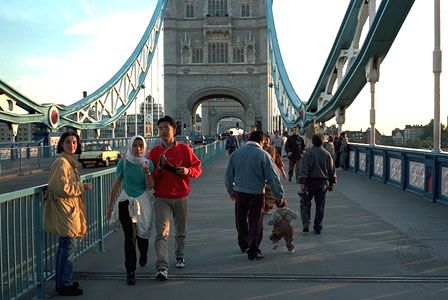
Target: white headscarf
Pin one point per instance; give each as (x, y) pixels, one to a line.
(138, 160)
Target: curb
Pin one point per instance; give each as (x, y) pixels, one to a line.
(22, 174)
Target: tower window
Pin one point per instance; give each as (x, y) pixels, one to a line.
(245, 10)
(198, 54)
(217, 8)
(238, 55)
(189, 11)
(218, 53)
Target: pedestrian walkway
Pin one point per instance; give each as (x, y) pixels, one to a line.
(378, 242)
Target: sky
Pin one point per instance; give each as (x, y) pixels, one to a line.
(53, 50)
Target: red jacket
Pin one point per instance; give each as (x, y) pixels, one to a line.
(166, 183)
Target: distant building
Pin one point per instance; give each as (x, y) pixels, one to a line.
(357, 136)
(363, 137)
(412, 133)
(398, 136)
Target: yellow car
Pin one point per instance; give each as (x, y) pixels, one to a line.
(98, 154)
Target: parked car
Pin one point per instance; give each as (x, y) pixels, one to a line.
(184, 139)
(199, 139)
(98, 154)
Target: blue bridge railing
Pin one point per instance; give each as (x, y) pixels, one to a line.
(27, 253)
(423, 172)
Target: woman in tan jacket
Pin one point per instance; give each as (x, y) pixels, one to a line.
(64, 211)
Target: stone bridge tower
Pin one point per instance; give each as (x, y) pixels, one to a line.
(215, 51)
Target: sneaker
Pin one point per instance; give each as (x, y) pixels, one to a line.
(70, 291)
(274, 246)
(130, 278)
(291, 251)
(306, 229)
(162, 275)
(180, 263)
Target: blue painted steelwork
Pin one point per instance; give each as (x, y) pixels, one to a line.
(389, 17)
(27, 253)
(102, 107)
(423, 172)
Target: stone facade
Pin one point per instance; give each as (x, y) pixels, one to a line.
(216, 49)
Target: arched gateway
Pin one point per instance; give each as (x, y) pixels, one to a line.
(215, 54)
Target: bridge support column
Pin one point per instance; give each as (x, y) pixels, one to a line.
(13, 128)
(340, 118)
(372, 75)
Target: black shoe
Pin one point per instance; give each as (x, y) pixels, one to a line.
(289, 178)
(244, 250)
(75, 284)
(317, 231)
(142, 260)
(257, 256)
(70, 291)
(130, 278)
(306, 229)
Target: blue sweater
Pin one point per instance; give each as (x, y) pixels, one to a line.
(249, 169)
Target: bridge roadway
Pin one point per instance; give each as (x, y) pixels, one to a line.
(377, 243)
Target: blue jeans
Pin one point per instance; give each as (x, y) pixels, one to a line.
(65, 256)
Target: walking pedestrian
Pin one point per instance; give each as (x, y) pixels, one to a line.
(133, 177)
(231, 143)
(64, 211)
(277, 142)
(248, 171)
(175, 164)
(281, 219)
(269, 200)
(294, 148)
(317, 176)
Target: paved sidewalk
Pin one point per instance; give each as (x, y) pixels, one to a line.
(377, 243)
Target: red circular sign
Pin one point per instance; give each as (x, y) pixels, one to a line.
(53, 116)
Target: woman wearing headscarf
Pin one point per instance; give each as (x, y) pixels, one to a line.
(133, 175)
(64, 211)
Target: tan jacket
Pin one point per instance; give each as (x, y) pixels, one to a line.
(64, 210)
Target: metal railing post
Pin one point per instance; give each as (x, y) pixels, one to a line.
(39, 241)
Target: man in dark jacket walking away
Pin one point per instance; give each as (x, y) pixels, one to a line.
(231, 143)
(294, 148)
(317, 176)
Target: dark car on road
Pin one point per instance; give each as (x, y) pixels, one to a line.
(199, 139)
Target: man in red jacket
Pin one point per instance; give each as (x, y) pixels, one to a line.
(175, 163)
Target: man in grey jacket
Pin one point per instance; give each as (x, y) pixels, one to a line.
(248, 171)
(316, 176)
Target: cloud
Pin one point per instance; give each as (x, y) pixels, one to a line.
(104, 45)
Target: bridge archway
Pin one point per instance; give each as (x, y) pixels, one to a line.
(217, 104)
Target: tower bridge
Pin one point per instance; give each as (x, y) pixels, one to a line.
(381, 235)
(227, 49)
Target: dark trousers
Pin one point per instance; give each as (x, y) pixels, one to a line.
(130, 238)
(294, 164)
(249, 221)
(317, 189)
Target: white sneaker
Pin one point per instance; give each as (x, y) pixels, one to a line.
(291, 251)
(180, 263)
(162, 275)
(274, 246)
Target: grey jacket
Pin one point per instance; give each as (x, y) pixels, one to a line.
(317, 163)
(249, 169)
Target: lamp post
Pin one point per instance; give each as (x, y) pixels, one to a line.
(144, 110)
(437, 69)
